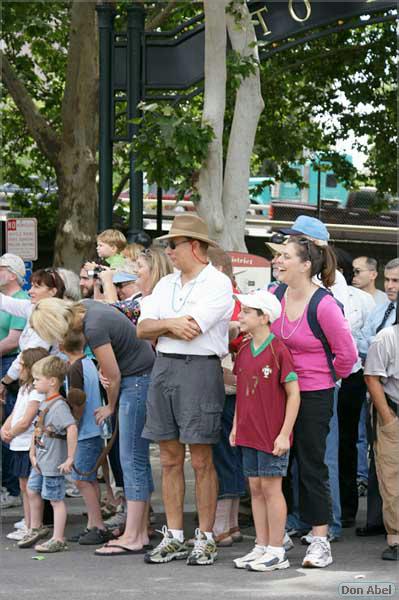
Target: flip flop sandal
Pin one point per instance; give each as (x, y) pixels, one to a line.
(123, 550)
(224, 540)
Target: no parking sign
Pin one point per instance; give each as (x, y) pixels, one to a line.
(21, 237)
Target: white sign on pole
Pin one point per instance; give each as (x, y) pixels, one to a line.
(21, 237)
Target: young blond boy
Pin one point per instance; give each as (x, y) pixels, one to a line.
(266, 408)
(52, 453)
(110, 244)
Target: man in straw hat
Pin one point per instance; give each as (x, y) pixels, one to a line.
(188, 316)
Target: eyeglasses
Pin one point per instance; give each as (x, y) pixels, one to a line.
(358, 271)
(123, 284)
(173, 245)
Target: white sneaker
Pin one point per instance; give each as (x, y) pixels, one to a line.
(268, 562)
(72, 492)
(309, 537)
(318, 555)
(288, 544)
(20, 524)
(243, 561)
(8, 501)
(18, 534)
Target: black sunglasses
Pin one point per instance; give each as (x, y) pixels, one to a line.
(173, 245)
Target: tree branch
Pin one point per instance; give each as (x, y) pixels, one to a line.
(161, 17)
(317, 56)
(119, 188)
(46, 138)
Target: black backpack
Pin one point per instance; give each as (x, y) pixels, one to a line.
(313, 323)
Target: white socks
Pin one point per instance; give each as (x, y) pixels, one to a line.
(277, 551)
(178, 534)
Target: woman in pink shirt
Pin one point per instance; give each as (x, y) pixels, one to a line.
(300, 260)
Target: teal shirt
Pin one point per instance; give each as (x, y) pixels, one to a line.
(8, 322)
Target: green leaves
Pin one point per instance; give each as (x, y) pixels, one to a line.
(171, 145)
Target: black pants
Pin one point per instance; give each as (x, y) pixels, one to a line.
(310, 433)
(351, 396)
(374, 500)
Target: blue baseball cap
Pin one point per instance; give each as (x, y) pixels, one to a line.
(309, 226)
(123, 277)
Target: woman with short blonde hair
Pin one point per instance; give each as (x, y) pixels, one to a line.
(126, 362)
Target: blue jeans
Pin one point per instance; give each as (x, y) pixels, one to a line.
(331, 460)
(86, 456)
(9, 480)
(228, 460)
(133, 449)
(362, 445)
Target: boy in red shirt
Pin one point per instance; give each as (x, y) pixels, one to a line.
(267, 406)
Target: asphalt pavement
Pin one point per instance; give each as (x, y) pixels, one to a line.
(78, 574)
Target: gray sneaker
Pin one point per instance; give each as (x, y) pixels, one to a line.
(204, 551)
(168, 549)
(318, 555)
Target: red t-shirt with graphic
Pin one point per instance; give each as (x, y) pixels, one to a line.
(261, 398)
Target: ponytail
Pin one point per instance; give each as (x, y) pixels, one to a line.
(329, 267)
(322, 258)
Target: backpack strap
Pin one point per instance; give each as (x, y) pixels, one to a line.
(316, 329)
(313, 323)
(280, 291)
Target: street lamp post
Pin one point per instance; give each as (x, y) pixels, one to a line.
(106, 16)
(135, 31)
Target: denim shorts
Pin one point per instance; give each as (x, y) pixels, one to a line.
(49, 487)
(262, 464)
(86, 457)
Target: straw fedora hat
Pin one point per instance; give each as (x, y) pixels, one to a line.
(276, 248)
(191, 226)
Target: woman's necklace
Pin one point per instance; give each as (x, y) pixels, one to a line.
(287, 337)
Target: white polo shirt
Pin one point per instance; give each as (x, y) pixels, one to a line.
(208, 299)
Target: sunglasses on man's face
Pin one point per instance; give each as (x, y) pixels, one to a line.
(123, 284)
(173, 245)
(358, 271)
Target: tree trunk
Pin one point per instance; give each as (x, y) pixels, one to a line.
(210, 182)
(248, 108)
(77, 214)
(77, 167)
(224, 200)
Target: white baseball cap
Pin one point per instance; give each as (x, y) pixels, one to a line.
(263, 300)
(14, 263)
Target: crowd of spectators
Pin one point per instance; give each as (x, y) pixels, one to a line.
(289, 394)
